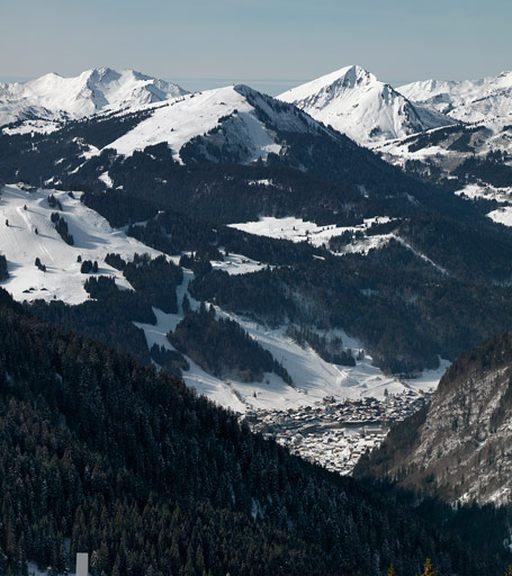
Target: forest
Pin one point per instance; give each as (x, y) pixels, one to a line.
(405, 311)
(223, 348)
(438, 287)
(130, 465)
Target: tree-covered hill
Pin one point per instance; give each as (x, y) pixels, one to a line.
(435, 284)
(150, 479)
(457, 448)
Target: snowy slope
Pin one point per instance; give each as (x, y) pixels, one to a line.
(355, 102)
(298, 230)
(483, 100)
(93, 240)
(54, 97)
(454, 145)
(233, 111)
(313, 377)
(456, 154)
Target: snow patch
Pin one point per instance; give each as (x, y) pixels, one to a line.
(299, 230)
(502, 215)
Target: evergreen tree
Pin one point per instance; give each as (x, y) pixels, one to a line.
(428, 568)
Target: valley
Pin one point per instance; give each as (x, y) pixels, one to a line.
(265, 305)
(336, 434)
(174, 148)
(316, 383)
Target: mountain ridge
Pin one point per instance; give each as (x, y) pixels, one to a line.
(55, 97)
(485, 100)
(353, 101)
(457, 448)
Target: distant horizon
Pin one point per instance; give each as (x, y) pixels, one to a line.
(273, 44)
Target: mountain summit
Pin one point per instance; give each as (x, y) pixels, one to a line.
(101, 89)
(352, 100)
(487, 99)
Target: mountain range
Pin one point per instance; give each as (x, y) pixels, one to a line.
(54, 97)
(485, 100)
(235, 159)
(351, 100)
(288, 258)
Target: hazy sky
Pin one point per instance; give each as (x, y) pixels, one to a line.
(269, 43)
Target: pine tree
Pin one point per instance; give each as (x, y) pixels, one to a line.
(428, 568)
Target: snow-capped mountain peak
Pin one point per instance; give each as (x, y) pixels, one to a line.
(353, 100)
(100, 89)
(323, 90)
(484, 100)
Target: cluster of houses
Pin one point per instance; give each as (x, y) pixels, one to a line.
(336, 434)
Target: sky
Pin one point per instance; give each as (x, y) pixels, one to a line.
(270, 44)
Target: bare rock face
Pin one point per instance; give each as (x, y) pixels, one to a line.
(460, 447)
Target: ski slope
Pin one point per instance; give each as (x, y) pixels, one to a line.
(196, 114)
(93, 240)
(313, 378)
(299, 230)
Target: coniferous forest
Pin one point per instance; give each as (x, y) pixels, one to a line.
(222, 347)
(99, 453)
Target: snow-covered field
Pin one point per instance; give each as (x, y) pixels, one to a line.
(476, 191)
(93, 240)
(299, 230)
(502, 215)
(238, 264)
(503, 196)
(36, 126)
